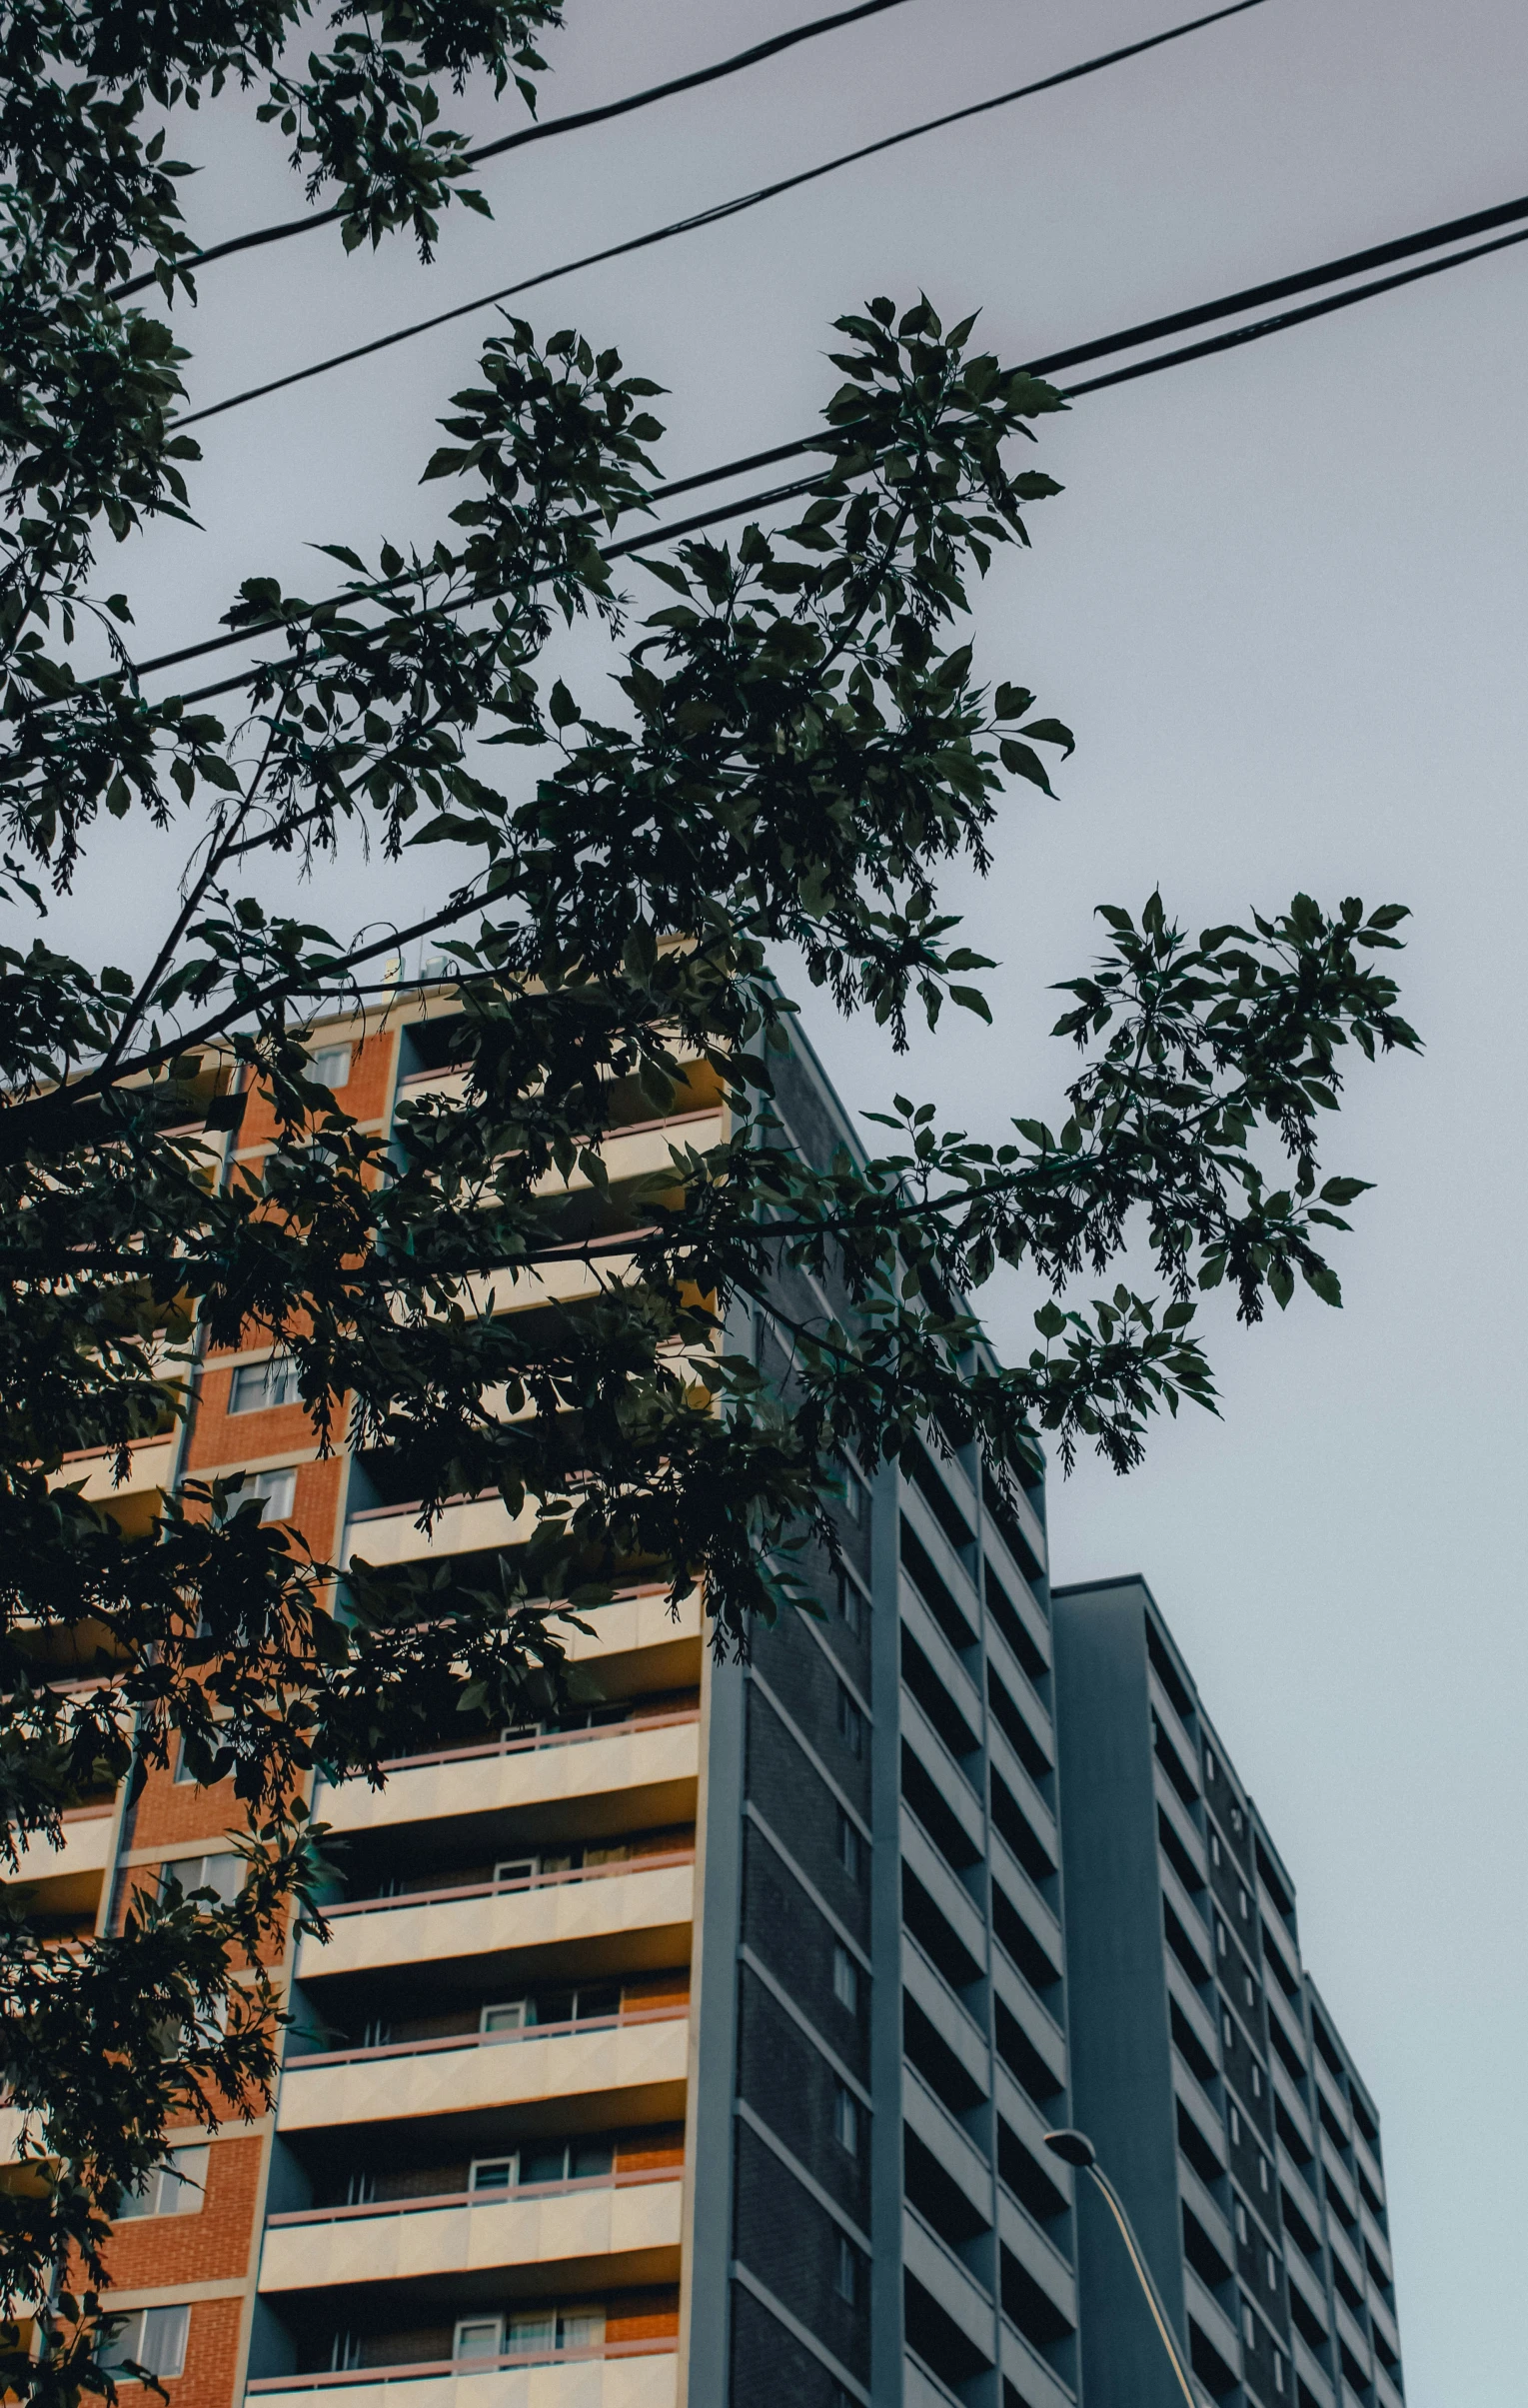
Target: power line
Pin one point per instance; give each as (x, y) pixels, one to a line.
(1228, 340)
(717, 213)
(572, 124)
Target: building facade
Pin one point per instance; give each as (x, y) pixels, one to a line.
(696, 2048)
(1208, 2072)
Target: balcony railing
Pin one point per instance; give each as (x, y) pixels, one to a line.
(652, 2346)
(450, 2040)
(512, 1745)
(621, 2180)
(502, 1889)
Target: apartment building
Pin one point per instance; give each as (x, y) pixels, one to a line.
(1208, 2071)
(696, 2045)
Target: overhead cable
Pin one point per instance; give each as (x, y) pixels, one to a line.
(574, 123)
(1227, 340)
(719, 211)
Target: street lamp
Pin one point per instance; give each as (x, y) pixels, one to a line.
(1074, 2149)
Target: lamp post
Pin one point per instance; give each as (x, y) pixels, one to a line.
(1075, 2149)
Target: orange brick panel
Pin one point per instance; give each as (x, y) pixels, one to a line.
(170, 1812)
(214, 2245)
(364, 1096)
(212, 2358)
(651, 2316)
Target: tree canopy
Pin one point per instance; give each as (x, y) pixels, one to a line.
(804, 743)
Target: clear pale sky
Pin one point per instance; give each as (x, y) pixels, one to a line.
(1283, 604)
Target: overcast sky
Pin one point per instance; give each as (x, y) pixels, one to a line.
(1283, 604)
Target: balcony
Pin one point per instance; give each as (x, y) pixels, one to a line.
(1035, 2382)
(65, 1881)
(1037, 2254)
(630, 2374)
(647, 1768)
(626, 2070)
(1211, 2318)
(569, 2236)
(1312, 2374)
(1304, 2279)
(135, 1503)
(1188, 1833)
(596, 1919)
(945, 1887)
(1196, 2194)
(949, 2281)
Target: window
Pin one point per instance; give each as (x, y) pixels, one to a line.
(258, 1386)
(376, 2032)
(1241, 2221)
(853, 1497)
(1243, 1904)
(154, 2339)
(852, 1606)
(1237, 1821)
(275, 1491)
(1262, 2172)
(1249, 2327)
(1215, 1847)
(510, 2015)
(1278, 2371)
(847, 2283)
(1273, 2271)
(850, 1723)
(359, 2187)
(1249, 1989)
(1211, 1769)
(1235, 2129)
(478, 2337)
(534, 2332)
(850, 1846)
(343, 2351)
(175, 2189)
(222, 1873)
(1219, 1936)
(1229, 2031)
(846, 2120)
(845, 1979)
(1257, 2081)
(330, 1065)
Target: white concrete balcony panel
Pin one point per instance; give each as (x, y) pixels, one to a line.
(1017, 1589)
(947, 1561)
(645, 2377)
(151, 1463)
(606, 1918)
(1288, 2015)
(1030, 1523)
(924, 1983)
(391, 1533)
(1021, 1893)
(1034, 2020)
(1331, 2091)
(1278, 1938)
(70, 1874)
(1352, 2331)
(661, 1755)
(946, 2279)
(1300, 2182)
(1022, 2115)
(1191, 2007)
(640, 1152)
(1292, 2101)
(1385, 2328)
(941, 1654)
(1304, 2279)
(628, 2071)
(1156, 1690)
(579, 2236)
(948, 2143)
(1387, 2390)
(1341, 2189)
(1312, 2373)
(944, 1770)
(1197, 2195)
(1188, 1833)
(1190, 1910)
(1201, 2114)
(1037, 1808)
(1038, 2384)
(1368, 2164)
(1037, 2254)
(920, 2389)
(945, 1887)
(1211, 2319)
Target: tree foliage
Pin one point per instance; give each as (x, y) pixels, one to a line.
(803, 744)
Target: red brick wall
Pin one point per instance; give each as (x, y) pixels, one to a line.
(212, 2246)
(212, 2359)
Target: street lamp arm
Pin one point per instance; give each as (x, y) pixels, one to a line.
(1075, 2149)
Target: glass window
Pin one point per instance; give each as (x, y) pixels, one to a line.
(258, 1386)
(1243, 1904)
(275, 1491)
(846, 2120)
(845, 1979)
(175, 2189)
(847, 2285)
(1273, 2271)
(478, 2337)
(1235, 2129)
(330, 1065)
(1229, 2031)
(1241, 2221)
(1257, 2081)
(492, 2174)
(850, 1723)
(1215, 1847)
(850, 1606)
(850, 1846)
(1219, 1935)
(222, 1873)
(1278, 2371)
(581, 2328)
(1250, 1987)
(532, 2330)
(1262, 2171)
(154, 2339)
(510, 2015)
(853, 1497)
(1249, 2327)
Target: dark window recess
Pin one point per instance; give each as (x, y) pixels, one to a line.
(1346, 2289)
(1305, 2320)
(936, 1699)
(943, 1827)
(934, 1492)
(1167, 1673)
(1290, 2134)
(1016, 1828)
(1208, 2364)
(1012, 1529)
(1198, 2150)
(1273, 1959)
(1017, 1731)
(1022, 2059)
(1011, 1622)
(1015, 1937)
(1027, 2178)
(1328, 2118)
(936, 2195)
(1329, 2046)
(934, 2336)
(1366, 2122)
(1183, 1949)
(935, 1593)
(1202, 2254)
(1173, 1763)
(1288, 2051)
(1273, 1882)
(1190, 2047)
(1024, 2304)
(1177, 1855)
(936, 1935)
(928, 2051)
(1298, 2227)
(1383, 2352)
(1371, 2198)
(1357, 2376)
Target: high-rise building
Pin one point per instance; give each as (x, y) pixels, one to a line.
(694, 2045)
(1208, 2071)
